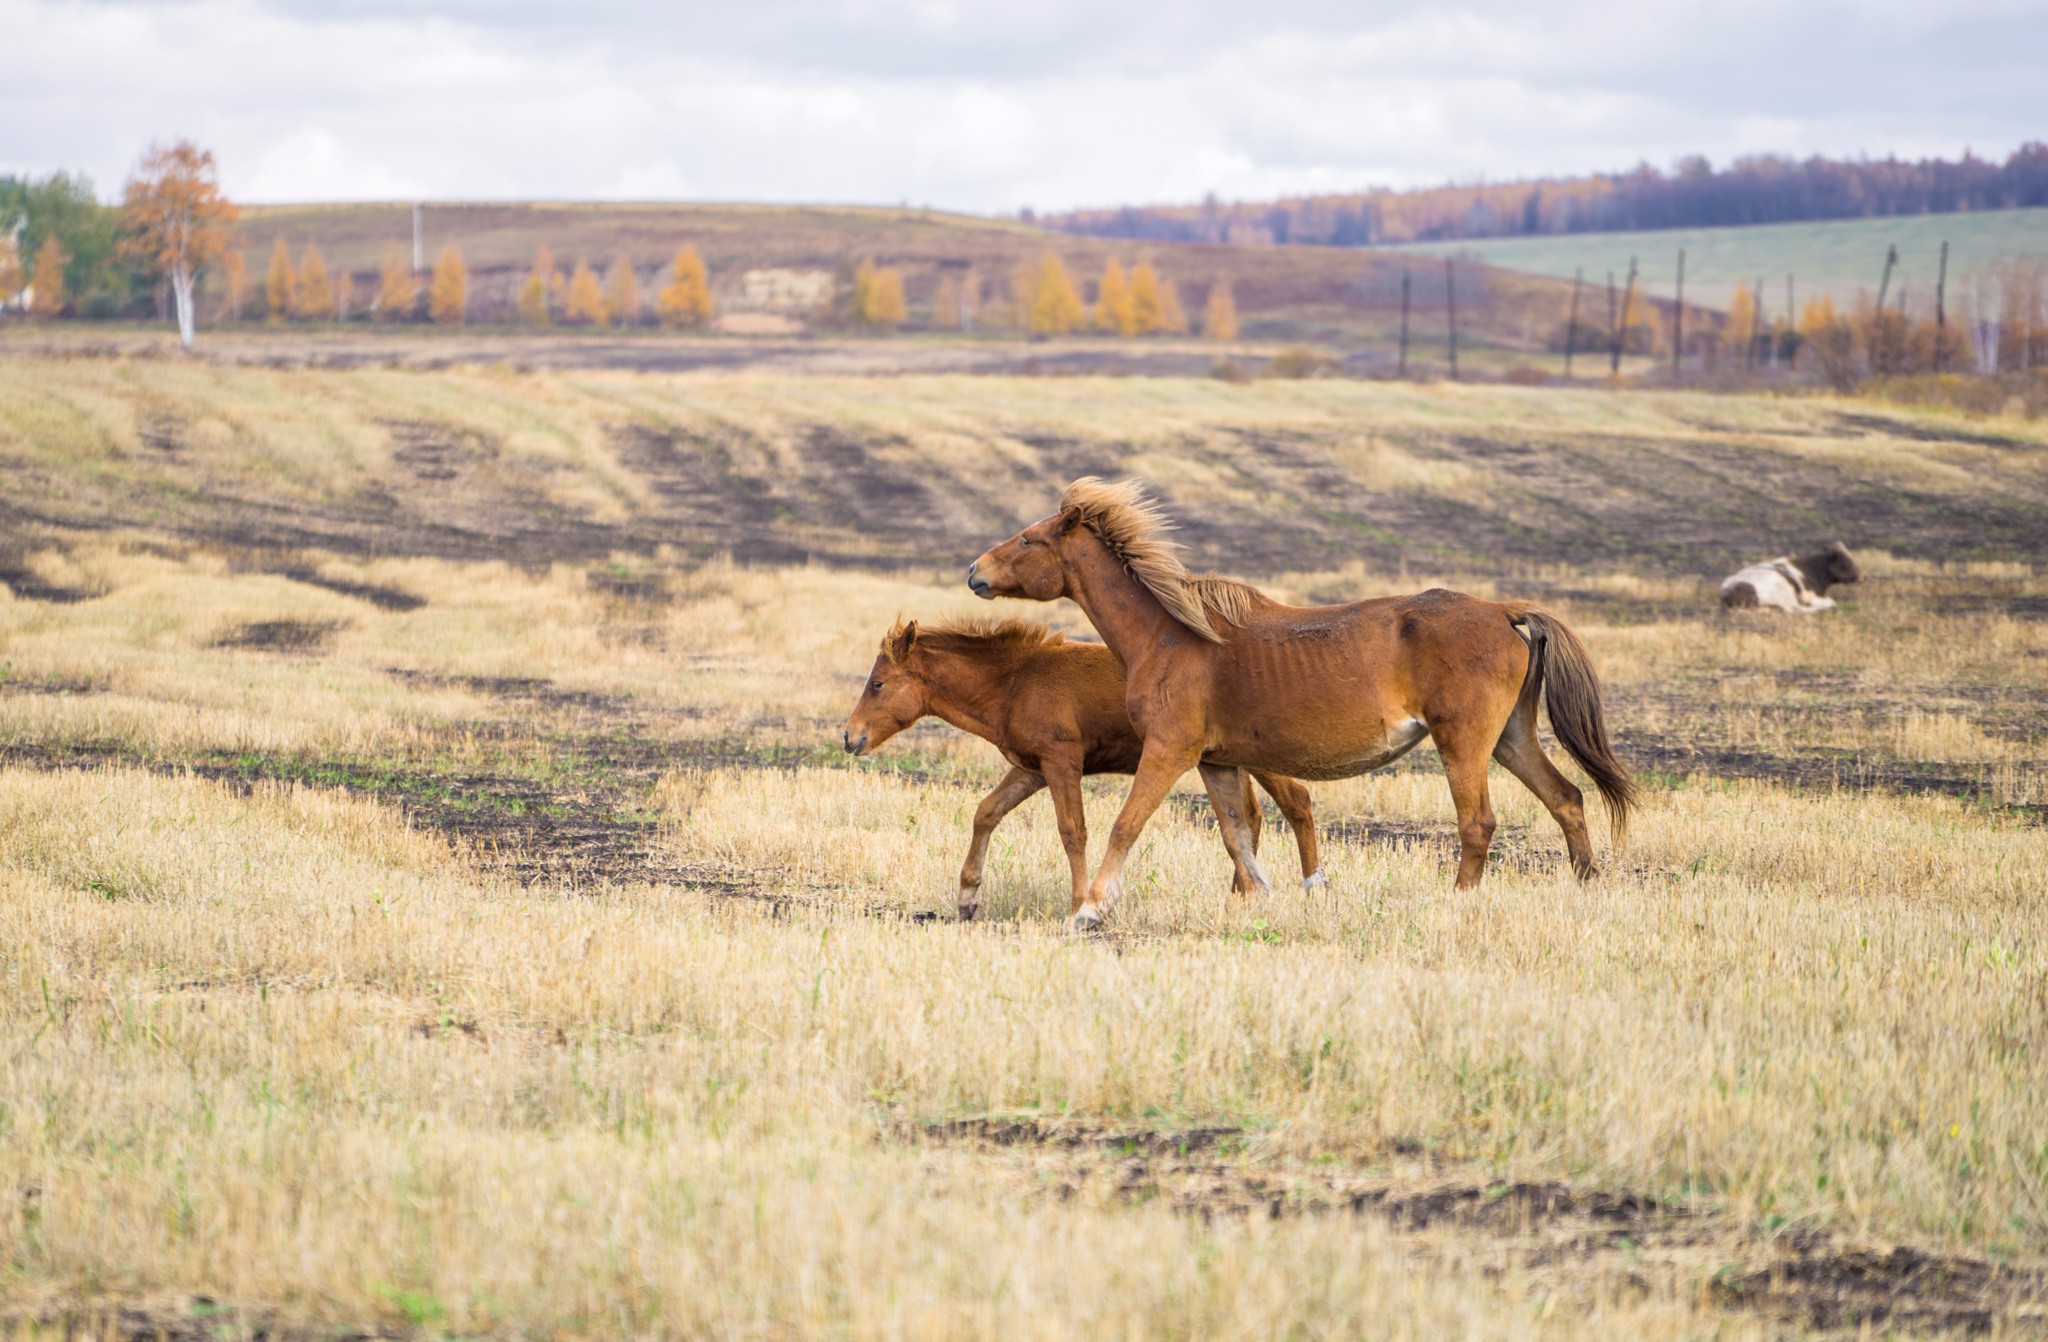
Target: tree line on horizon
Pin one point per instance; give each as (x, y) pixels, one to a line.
(1761, 189)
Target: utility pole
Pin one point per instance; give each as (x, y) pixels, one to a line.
(1571, 327)
(1678, 328)
(1402, 370)
(1451, 307)
(1628, 296)
(1613, 337)
(1756, 321)
(1941, 310)
(419, 250)
(1891, 258)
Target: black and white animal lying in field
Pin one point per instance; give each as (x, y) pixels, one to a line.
(1797, 583)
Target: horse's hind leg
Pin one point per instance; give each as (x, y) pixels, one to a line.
(1464, 759)
(1292, 799)
(1229, 790)
(1522, 755)
(1017, 785)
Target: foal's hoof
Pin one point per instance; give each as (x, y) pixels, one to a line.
(1315, 880)
(1082, 923)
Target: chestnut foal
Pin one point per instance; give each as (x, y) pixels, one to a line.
(1218, 675)
(1056, 711)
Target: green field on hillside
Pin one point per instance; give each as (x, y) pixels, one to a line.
(1837, 256)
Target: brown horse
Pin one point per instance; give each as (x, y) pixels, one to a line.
(1220, 675)
(1056, 711)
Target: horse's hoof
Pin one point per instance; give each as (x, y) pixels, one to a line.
(967, 912)
(1315, 880)
(1083, 922)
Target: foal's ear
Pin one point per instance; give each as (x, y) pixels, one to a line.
(901, 638)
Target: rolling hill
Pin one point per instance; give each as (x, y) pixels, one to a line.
(1344, 298)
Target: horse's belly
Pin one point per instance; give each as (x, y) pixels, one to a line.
(1330, 756)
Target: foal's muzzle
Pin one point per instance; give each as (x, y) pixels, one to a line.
(978, 584)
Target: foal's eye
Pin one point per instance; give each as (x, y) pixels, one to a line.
(1023, 542)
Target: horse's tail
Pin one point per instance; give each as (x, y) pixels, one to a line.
(1561, 668)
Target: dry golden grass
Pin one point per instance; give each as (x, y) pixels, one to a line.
(336, 1057)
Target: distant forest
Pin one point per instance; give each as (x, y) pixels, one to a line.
(1763, 190)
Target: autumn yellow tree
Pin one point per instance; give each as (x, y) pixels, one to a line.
(536, 293)
(48, 296)
(1219, 318)
(686, 299)
(313, 298)
(622, 293)
(234, 273)
(175, 221)
(1113, 310)
(877, 294)
(1740, 329)
(885, 300)
(953, 304)
(1055, 303)
(280, 283)
(448, 295)
(585, 301)
(11, 278)
(1148, 299)
(398, 289)
(48, 278)
(1173, 319)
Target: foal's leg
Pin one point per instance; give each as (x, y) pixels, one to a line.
(1017, 785)
(1063, 777)
(1464, 755)
(1292, 799)
(1229, 790)
(1522, 755)
(1158, 770)
(1254, 816)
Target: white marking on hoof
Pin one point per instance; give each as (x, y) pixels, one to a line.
(1315, 880)
(1085, 920)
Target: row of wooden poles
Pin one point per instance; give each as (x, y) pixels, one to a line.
(1617, 323)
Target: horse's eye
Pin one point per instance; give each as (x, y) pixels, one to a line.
(1023, 542)
(875, 687)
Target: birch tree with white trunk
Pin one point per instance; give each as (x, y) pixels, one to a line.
(175, 220)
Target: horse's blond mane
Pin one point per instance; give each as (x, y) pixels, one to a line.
(972, 636)
(1134, 529)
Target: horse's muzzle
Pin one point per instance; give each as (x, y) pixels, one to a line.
(854, 745)
(978, 584)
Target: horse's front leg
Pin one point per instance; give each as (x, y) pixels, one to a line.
(1230, 796)
(1158, 770)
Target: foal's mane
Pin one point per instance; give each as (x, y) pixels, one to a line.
(1134, 528)
(973, 638)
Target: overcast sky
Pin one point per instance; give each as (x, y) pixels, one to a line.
(996, 105)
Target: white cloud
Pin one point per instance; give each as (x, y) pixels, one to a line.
(992, 105)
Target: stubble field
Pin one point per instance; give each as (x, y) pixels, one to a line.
(433, 901)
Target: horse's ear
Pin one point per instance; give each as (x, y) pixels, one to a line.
(1069, 519)
(901, 639)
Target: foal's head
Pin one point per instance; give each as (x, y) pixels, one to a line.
(893, 697)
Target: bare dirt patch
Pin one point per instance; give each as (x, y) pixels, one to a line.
(294, 636)
(1812, 1280)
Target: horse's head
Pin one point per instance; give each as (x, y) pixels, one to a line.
(1028, 564)
(1842, 566)
(893, 697)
